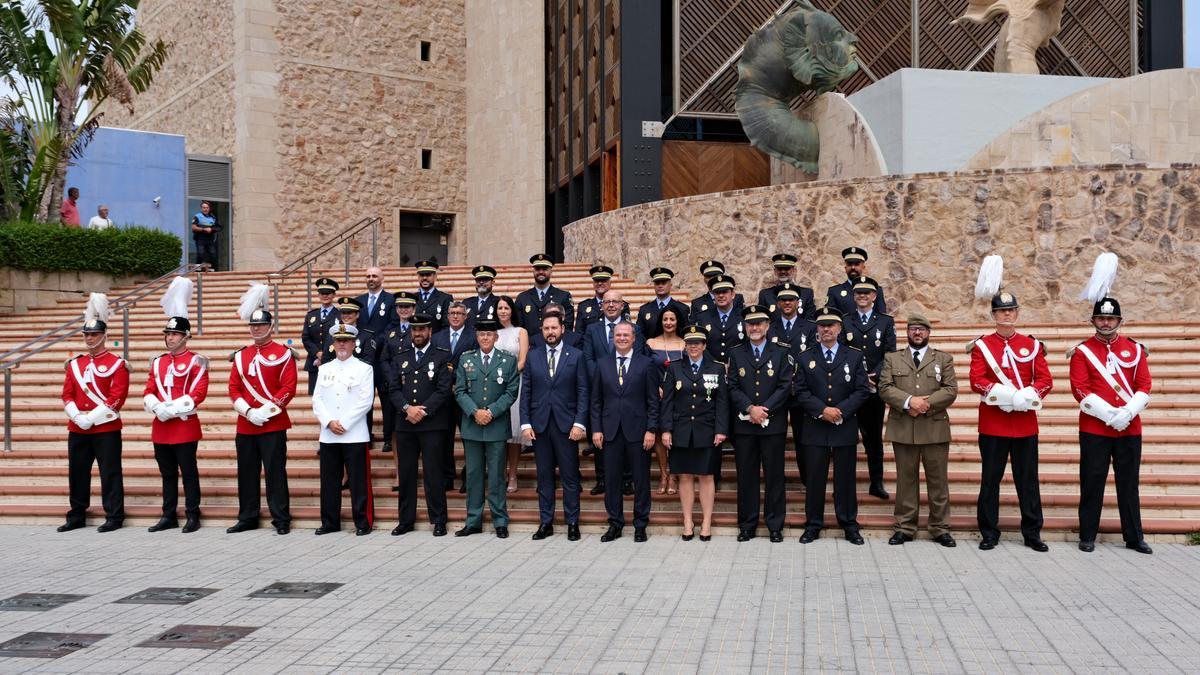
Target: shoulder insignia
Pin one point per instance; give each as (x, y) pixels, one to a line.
(202, 360)
(442, 349)
(852, 347)
(293, 352)
(233, 355)
(971, 344)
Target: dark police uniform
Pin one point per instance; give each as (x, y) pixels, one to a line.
(721, 339)
(530, 306)
(435, 306)
(648, 314)
(316, 340)
(695, 408)
(841, 297)
(764, 381)
(796, 338)
(841, 384)
(875, 339)
(426, 381)
(705, 302)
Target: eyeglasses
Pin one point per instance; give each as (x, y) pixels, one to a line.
(612, 302)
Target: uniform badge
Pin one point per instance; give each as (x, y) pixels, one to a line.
(647, 316)
(528, 309)
(741, 372)
(312, 319)
(588, 310)
(704, 308)
(181, 367)
(392, 334)
(843, 292)
(708, 327)
(770, 372)
(878, 343)
(499, 379)
(937, 373)
(1125, 353)
(847, 369)
(812, 364)
(1024, 351)
(775, 339)
(849, 335)
(771, 308)
(678, 385)
(101, 369)
(382, 311)
(404, 365)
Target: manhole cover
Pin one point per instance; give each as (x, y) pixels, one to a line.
(48, 645)
(37, 602)
(199, 637)
(167, 596)
(295, 589)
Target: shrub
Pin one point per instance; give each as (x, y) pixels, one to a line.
(133, 251)
(1194, 538)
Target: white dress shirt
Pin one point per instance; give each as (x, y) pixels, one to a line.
(345, 391)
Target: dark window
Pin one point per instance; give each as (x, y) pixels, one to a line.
(425, 45)
(426, 159)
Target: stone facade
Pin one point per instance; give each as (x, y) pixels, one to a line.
(927, 234)
(22, 290)
(848, 147)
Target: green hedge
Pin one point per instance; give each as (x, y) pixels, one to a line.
(118, 251)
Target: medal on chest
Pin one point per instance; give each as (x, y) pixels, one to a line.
(937, 373)
(846, 367)
(878, 338)
(431, 369)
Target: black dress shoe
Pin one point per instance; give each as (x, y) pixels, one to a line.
(191, 525)
(345, 485)
(163, 524)
(776, 536)
(241, 526)
(362, 531)
(448, 485)
(572, 532)
(1087, 546)
(467, 531)
(639, 534)
(627, 488)
(439, 530)
(545, 530)
(502, 532)
(855, 538)
(387, 447)
(810, 536)
(945, 539)
(109, 526)
(283, 529)
(462, 489)
(68, 526)
(1140, 547)
(899, 539)
(876, 490)
(610, 534)
(326, 530)
(1037, 545)
(598, 489)
(745, 535)
(401, 529)
(987, 544)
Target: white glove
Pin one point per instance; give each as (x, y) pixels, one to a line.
(1001, 396)
(1097, 407)
(101, 415)
(81, 420)
(1121, 419)
(71, 410)
(1034, 401)
(1023, 399)
(1137, 403)
(163, 412)
(150, 402)
(257, 417)
(184, 405)
(241, 407)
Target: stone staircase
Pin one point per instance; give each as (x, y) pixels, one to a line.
(33, 477)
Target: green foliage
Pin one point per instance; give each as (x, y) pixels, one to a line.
(1194, 538)
(135, 251)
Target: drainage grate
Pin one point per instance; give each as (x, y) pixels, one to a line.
(199, 637)
(48, 645)
(295, 589)
(167, 596)
(37, 602)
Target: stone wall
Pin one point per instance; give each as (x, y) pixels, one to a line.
(1149, 119)
(22, 290)
(848, 146)
(927, 234)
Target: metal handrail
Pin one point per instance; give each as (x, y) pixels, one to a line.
(123, 303)
(306, 261)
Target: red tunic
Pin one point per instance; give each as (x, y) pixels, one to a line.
(269, 372)
(169, 378)
(1027, 369)
(1128, 359)
(91, 381)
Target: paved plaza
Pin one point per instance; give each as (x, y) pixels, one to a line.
(422, 604)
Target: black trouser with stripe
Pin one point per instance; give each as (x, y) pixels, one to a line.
(845, 487)
(994, 452)
(103, 449)
(173, 460)
(350, 458)
(266, 453)
(752, 452)
(796, 418)
(1095, 454)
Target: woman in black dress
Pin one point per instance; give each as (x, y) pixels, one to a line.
(694, 422)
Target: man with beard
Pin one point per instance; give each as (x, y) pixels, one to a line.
(722, 321)
(794, 332)
(590, 310)
(482, 305)
(841, 296)
(785, 273)
(708, 301)
(647, 318)
(374, 318)
(419, 383)
(1009, 372)
(430, 301)
(1111, 380)
(874, 333)
(919, 384)
(532, 302)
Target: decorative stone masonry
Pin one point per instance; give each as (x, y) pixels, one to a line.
(22, 289)
(927, 234)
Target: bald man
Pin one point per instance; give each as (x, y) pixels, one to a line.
(377, 315)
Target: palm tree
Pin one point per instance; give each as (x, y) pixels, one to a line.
(61, 55)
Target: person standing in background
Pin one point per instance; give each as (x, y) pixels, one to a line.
(204, 231)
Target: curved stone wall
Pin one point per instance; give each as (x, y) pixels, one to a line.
(927, 234)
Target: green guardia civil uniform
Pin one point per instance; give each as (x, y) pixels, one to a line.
(493, 387)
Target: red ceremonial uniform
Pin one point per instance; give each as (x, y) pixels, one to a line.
(1024, 364)
(1126, 360)
(171, 377)
(92, 381)
(263, 374)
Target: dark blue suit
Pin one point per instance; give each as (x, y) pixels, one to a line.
(377, 321)
(595, 346)
(623, 410)
(466, 342)
(552, 406)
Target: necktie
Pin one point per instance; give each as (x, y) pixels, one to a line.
(610, 333)
(695, 367)
(828, 356)
(662, 306)
(621, 370)
(864, 318)
(757, 353)
(723, 318)
(486, 360)
(787, 326)
(420, 355)
(553, 362)
(324, 315)
(424, 296)
(916, 359)
(453, 341)
(541, 296)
